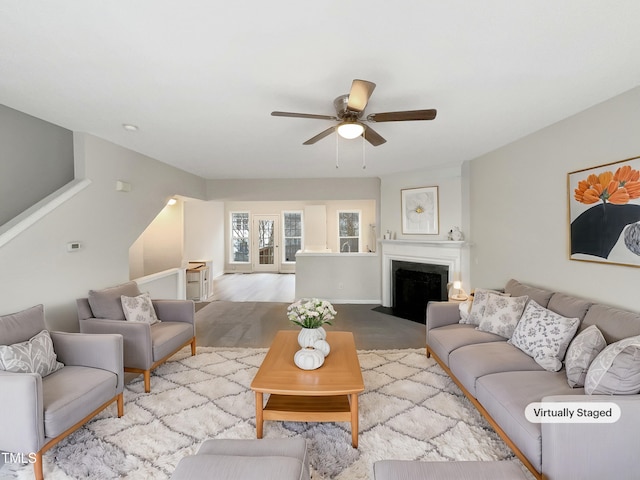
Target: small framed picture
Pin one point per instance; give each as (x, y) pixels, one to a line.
(420, 211)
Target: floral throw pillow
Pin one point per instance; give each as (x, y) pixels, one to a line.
(139, 309)
(36, 355)
(616, 369)
(544, 335)
(581, 352)
(480, 298)
(501, 315)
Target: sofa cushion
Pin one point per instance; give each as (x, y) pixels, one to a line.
(478, 305)
(36, 355)
(616, 369)
(544, 335)
(614, 323)
(471, 362)
(502, 314)
(21, 326)
(139, 309)
(517, 289)
(106, 303)
(505, 397)
(581, 352)
(72, 393)
(444, 340)
(569, 306)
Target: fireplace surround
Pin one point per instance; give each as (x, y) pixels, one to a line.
(444, 253)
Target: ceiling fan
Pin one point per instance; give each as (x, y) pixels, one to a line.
(350, 112)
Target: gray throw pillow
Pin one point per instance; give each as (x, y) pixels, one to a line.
(107, 304)
(581, 352)
(502, 314)
(36, 355)
(544, 335)
(616, 369)
(480, 298)
(139, 309)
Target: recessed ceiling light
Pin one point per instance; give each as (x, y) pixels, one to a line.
(130, 128)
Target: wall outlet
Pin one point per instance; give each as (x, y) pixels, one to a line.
(74, 246)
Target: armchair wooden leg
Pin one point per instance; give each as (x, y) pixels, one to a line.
(147, 381)
(120, 403)
(37, 467)
(193, 346)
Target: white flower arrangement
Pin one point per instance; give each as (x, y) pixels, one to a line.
(311, 313)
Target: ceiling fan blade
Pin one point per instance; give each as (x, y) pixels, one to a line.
(403, 116)
(359, 95)
(320, 136)
(303, 115)
(373, 137)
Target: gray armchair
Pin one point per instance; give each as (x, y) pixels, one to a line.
(145, 346)
(39, 411)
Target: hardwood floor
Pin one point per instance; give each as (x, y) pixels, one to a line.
(248, 309)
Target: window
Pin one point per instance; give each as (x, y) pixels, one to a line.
(292, 225)
(349, 231)
(240, 237)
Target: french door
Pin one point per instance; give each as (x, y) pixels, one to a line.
(266, 243)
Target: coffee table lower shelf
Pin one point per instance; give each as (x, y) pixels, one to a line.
(307, 408)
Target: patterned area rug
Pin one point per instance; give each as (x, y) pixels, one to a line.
(409, 410)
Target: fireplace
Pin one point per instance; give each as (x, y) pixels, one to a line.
(416, 284)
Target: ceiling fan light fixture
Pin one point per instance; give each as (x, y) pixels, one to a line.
(350, 130)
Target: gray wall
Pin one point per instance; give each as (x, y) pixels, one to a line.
(36, 159)
(36, 267)
(518, 204)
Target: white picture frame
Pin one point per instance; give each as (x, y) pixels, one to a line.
(420, 215)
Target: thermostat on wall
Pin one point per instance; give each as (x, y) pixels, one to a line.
(74, 246)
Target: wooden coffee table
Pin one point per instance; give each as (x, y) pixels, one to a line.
(327, 394)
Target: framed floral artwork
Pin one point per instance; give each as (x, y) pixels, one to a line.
(604, 213)
(420, 211)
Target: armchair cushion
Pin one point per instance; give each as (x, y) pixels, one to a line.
(139, 309)
(36, 355)
(106, 303)
(73, 393)
(167, 337)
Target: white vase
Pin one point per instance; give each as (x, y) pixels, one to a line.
(308, 336)
(308, 358)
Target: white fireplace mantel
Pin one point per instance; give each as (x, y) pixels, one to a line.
(437, 252)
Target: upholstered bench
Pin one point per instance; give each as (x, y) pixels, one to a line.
(408, 470)
(234, 459)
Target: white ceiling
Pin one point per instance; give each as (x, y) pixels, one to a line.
(200, 77)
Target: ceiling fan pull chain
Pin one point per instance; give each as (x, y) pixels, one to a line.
(337, 151)
(364, 161)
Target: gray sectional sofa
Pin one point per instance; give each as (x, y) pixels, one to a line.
(501, 380)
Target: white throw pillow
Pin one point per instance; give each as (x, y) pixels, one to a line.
(544, 335)
(139, 309)
(616, 369)
(501, 315)
(480, 298)
(36, 355)
(581, 352)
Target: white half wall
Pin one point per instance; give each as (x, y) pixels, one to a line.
(519, 204)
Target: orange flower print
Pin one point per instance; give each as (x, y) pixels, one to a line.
(617, 188)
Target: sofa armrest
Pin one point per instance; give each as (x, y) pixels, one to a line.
(440, 314)
(592, 450)
(22, 420)
(175, 310)
(104, 351)
(136, 337)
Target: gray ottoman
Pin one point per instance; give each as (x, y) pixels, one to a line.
(407, 470)
(266, 459)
